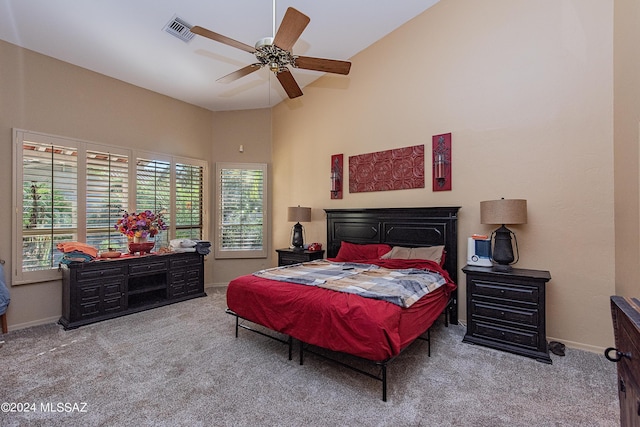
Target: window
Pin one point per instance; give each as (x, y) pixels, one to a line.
(189, 199)
(68, 190)
(48, 187)
(107, 194)
(241, 207)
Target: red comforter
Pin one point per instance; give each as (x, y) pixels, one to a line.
(364, 327)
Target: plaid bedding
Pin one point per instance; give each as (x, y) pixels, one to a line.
(402, 287)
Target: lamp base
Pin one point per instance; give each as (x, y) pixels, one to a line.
(502, 268)
(297, 240)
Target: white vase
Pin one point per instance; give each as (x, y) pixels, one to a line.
(139, 239)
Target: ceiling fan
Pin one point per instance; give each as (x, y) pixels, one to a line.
(275, 53)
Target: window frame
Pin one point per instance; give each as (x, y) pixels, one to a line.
(219, 251)
(20, 136)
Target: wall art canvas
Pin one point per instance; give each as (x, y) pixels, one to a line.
(396, 169)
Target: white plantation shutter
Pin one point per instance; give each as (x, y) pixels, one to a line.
(107, 196)
(189, 201)
(49, 202)
(153, 187)
(67, 190)
(241, 210)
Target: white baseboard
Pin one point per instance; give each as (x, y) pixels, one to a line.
(34, 323)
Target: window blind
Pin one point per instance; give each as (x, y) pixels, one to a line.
(189, 201)
(153, 187)
(107, 194)
(49, 202)
(241, 216)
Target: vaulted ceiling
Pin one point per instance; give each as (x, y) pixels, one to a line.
(126, 40)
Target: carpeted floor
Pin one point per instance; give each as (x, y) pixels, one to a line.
(182, 365)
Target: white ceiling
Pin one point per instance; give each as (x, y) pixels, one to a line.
(125, 39)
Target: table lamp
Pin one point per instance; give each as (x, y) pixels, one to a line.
(503, 211)
(298, 214)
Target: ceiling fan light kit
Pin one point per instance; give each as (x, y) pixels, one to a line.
(275, 53)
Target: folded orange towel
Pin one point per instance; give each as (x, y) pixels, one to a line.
(78, 246)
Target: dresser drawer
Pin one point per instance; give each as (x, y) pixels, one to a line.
(507, 291)
(95, 273)
(522, 338)
(185, 262)
(526, 317)
(109, 289)
(148, 268)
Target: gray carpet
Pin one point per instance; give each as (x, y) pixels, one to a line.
(182, 365)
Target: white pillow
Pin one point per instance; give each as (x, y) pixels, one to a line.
(432, 253)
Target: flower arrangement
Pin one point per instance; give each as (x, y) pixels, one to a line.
(141, 224)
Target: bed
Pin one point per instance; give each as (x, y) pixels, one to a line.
(371, 329)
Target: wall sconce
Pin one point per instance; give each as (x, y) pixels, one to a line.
(441, 148)
(336, 176)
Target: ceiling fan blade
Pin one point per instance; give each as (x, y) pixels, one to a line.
(239, 73)
(291, 27)
(222, 39)
(321, 64)
(289, 83)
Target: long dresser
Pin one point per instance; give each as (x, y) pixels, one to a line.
(108, 288)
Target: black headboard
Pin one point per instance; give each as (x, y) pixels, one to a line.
(409, 227)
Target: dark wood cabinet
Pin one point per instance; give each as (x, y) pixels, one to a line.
(506, 310)
(290, 256)
(103, 289)
(625, 313)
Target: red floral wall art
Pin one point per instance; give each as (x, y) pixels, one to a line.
(396, 169)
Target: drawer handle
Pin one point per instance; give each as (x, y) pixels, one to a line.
(619, 355)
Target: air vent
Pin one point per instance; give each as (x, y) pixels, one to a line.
(179, 28)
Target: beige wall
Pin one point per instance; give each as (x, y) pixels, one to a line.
(526, 89)
(626, 140)
(42, 94)
(252, 130)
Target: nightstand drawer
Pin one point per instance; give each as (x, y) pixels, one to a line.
(504, 313)
(289, 256)
(288, 259)
(527, 339)
(507, 291)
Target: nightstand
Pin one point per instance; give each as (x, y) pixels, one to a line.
(289, 256)
(506, 310)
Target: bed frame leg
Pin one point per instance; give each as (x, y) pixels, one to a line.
(237, 325)
(290, 348)
(429, 342)
(384, 382)
(301, 352)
